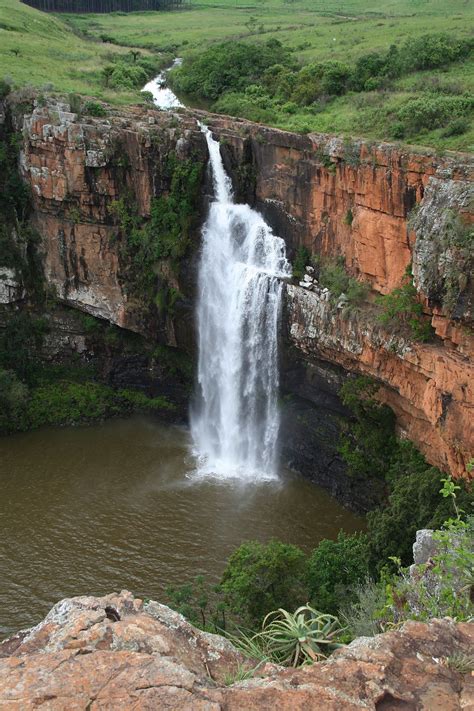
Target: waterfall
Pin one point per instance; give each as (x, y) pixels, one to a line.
(235, 419)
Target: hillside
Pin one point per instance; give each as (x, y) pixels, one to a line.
(41, 50)
(315, 32)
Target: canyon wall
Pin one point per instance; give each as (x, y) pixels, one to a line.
(78, 169)
(381, 208)
(378, 207)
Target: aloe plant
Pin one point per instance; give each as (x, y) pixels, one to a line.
(297, 638)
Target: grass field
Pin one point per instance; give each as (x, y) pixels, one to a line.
(71, 50)
(42, 50)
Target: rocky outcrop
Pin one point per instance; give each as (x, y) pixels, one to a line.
(117, 652)
(77, 167)
(429, 387)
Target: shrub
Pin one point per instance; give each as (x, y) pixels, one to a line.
(432, 50)
(432, 111)
(93, 108)
(333, 276)
(401, 306)
(362, 615)
(20, 344)
(456, 128)
(302, 259)
(5, 88)
(334, 570)
(413, 503)
(368, 440)
(293, 639)
(227, 67)
(13, 398)
(260, 577)
(75, 103)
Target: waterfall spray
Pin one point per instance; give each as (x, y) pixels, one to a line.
(235, 419)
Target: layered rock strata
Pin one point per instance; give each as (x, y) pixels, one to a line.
(348, 199)
(380, 208)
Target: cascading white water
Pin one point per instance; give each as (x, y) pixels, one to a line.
(235, 420)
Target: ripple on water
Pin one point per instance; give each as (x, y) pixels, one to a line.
(119, 505)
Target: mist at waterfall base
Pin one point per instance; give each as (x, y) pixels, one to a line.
(235, 420)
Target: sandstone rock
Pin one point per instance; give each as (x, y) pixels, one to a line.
(429, 387)
(151, 658)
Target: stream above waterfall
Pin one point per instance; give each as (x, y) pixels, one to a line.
(93, 509)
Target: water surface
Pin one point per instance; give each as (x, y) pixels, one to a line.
(95, 509)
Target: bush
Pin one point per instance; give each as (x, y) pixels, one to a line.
(367, 442)
(13, 399)
(226, 67)
(362, 614)
(5, 88)
(334, 570)
(433, 50)
(260, 577)
(20, 344)
(333, 276)
(456, 128)
(401, 306)
(432, 111)
(93, 108)
(302, 259)
(413, 503)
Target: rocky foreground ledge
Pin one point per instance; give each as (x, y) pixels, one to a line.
(117, 652)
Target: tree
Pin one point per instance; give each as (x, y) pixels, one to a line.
(264, 577)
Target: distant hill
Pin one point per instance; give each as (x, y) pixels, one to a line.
(102, 6)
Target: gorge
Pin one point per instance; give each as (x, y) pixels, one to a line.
(98, 183)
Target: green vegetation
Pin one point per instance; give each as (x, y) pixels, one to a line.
(42, 50)
(302, 259)
(335, 568)
(401, 308)
(373, 453)
(33, 393)
(292, 639)
(345, 579)
(333, 276)
(166, 235)
(259, 578)
(371, 66)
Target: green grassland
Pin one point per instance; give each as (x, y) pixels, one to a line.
(71, 51)
(41, 50)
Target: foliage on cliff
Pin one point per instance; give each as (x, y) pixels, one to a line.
(167, 234)
(18, 240)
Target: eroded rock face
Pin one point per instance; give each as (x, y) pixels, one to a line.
(77, 167)
(429, 387)
(381, 208)
(116, 652)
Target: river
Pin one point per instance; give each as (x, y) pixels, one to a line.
(89, 510)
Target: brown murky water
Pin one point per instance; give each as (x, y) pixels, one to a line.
(95, 509)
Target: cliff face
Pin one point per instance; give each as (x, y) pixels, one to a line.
(116, 652)
(378, 207)
(77, 169)
(381, 209)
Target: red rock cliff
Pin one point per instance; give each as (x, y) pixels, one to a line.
(354, 199)
(337, 198)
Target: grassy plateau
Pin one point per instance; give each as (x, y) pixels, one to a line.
(71, 52)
